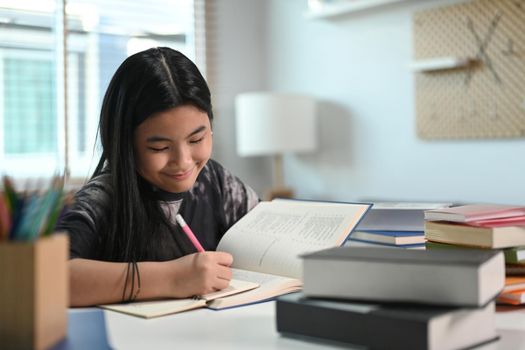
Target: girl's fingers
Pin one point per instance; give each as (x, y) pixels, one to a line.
(221, 284)
(225, 273)
(225, 259)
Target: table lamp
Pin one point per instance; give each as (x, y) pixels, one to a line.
(273, 124)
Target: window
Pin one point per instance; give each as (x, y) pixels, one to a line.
(29, 90)
(99, 35)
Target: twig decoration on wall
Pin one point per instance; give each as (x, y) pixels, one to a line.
(480, 91)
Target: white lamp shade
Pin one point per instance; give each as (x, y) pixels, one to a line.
(272, 123)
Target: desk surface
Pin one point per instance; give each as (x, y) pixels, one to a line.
(250, 327)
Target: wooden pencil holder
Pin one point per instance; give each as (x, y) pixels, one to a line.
(34, 292)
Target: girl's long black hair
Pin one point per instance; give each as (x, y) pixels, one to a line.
(148, 82)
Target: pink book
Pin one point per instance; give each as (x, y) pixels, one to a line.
(476, 212)
(501, 222)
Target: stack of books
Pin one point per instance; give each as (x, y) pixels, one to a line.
(396, 298)
(485, 226)
(393, 225)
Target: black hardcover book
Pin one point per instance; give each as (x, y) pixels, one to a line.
(385, 326)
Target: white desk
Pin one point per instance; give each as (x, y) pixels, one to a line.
(249, 327)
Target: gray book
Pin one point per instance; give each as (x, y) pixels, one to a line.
(464, 277)
(397, 216)
(391, 326)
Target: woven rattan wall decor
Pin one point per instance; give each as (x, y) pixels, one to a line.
(469, 68)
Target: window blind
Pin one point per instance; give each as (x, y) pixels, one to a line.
(99, 35)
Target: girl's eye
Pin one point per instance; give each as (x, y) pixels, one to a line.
(158, 149)
(197, 141)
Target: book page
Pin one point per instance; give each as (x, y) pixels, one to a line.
(269, 286)
(271, 236)
(155, 308)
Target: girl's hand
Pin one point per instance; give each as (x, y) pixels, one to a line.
(198, 274)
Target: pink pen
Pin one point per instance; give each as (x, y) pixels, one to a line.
(189, 233)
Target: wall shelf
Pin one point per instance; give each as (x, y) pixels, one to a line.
(441, 63)
(339, 8)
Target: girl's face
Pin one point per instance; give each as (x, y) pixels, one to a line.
(172, 147)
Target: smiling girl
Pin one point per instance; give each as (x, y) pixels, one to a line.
(156, 134)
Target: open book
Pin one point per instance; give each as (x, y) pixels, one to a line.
(156, 308)
(266, 244)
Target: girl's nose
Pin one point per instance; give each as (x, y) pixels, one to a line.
(181, 156)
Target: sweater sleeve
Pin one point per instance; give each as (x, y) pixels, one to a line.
(237, 197)
(86, 217)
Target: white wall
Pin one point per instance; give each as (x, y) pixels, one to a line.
(356, 66)
(236, 43)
